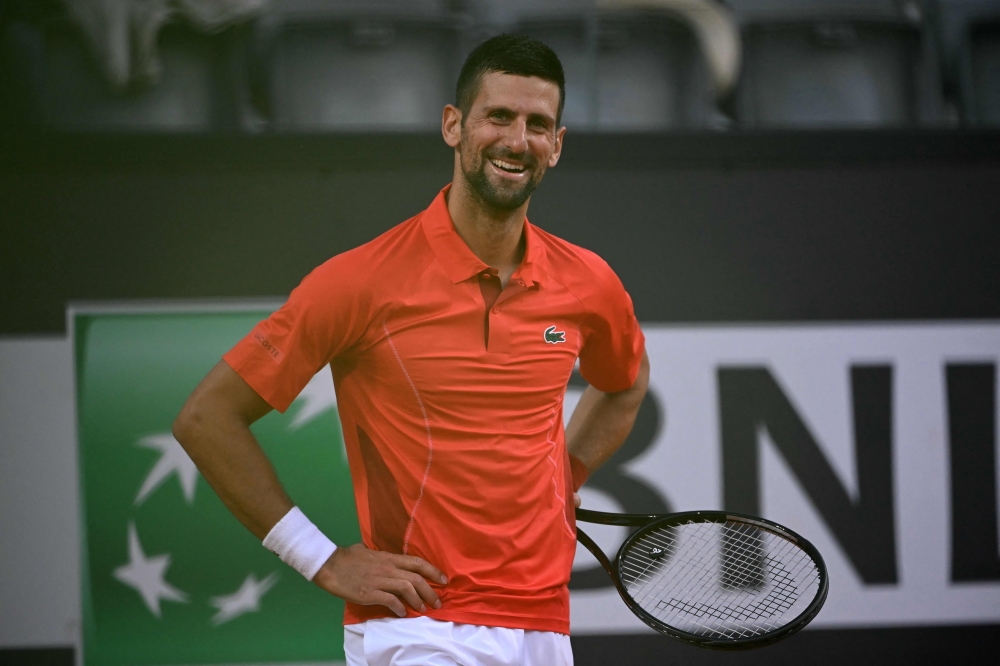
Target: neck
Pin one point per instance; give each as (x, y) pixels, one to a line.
(495, 236)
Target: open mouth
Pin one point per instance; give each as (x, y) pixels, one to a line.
(507, 166)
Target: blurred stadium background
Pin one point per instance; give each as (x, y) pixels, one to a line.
(259, 66)
(809, 187)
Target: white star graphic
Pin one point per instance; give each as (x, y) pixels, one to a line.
(244, 600)
(318, 396)
(146, 575)
(173, 458)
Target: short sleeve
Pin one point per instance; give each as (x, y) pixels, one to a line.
(613, 343)
(323, 317)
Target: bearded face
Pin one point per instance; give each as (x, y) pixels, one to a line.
(506, 139)
(484, 169)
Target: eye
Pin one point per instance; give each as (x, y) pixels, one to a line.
(539, 126)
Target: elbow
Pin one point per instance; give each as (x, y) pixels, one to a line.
(180, 427)
(642, 379)
(631, 398)
(219, 406)
(187, 424)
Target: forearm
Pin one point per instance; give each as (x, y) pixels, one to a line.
(601, 421)
(234, 465)
(214, 429)
(227, 454)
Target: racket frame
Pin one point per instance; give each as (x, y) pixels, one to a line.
(649, 522)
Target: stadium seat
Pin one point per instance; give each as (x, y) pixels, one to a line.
(358, 65)
(627, 69)
(969, 31)
(836, 63)
(984, 57)
(191, 94)
(56, 75)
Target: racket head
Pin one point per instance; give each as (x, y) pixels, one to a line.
(721, 580)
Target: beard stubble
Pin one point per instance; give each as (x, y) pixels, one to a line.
(498, 198)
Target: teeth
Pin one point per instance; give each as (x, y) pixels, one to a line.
(507, 165)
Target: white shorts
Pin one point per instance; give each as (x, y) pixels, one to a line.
(422, 641)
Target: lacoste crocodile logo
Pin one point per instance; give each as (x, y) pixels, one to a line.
(554, 337)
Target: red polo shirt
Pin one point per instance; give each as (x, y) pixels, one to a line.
(451, 405)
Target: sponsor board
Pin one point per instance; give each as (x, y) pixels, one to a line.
(876, 442)
(169, 576)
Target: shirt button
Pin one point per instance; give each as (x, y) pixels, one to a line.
(496, 310)
(485, 276)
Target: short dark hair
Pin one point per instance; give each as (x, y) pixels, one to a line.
(509, 54)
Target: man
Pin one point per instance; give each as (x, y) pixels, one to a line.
(451, 339)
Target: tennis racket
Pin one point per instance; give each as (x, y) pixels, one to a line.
(714, 579)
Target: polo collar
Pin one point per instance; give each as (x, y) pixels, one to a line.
(458, 261)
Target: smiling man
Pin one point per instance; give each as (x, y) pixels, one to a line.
(451, 339)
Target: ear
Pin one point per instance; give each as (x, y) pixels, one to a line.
(554, 159)
(451, 125)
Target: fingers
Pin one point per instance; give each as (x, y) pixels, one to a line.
(405, 590)
(422, 567)
(576, 500)
(417, 571)
(368, 577)
(391, 601)
(423, 590)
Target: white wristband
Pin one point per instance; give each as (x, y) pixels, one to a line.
(299, 543)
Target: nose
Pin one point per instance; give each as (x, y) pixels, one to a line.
(516, 137)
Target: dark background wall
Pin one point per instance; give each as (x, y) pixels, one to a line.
(702, 228)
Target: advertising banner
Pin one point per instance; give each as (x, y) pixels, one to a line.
(876, 442)
(169, 576)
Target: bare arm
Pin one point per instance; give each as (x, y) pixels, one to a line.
(601, 421)
(214, 429)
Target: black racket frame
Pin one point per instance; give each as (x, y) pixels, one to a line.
(649, 522)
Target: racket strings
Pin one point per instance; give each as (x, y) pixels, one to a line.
(709, 610)
(729, 577)
(776, 602)
(727, 581)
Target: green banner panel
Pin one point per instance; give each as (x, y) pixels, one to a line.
(169, 575)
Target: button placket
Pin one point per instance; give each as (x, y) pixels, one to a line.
(489, 286)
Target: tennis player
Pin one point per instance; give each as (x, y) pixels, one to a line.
(451, 339)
